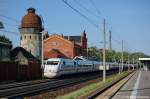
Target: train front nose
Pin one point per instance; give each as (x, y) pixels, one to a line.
(51, 68)
(51, 72)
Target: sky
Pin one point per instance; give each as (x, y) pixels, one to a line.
(129, 20)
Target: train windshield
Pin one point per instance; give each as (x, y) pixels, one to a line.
(52, 62)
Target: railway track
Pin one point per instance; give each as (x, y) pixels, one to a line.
(30, 88)
(26, 83)
(108, 95)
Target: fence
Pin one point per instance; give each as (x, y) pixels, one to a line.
(14, 71)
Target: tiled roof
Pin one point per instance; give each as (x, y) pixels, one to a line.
(77, 39)
(15, 51)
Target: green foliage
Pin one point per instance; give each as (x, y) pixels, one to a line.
(1, 25)
(93, 52)
(5, 40)
(92, 87)
(139, 54)
(114, 56)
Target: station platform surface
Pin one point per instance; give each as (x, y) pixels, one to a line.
(138, 87)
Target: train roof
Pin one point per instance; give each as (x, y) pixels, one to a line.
(58, 59)
(85, 58)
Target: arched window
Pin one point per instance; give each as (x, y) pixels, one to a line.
(64, 63)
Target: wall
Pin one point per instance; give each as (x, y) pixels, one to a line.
(56, 43)
(68, 48)
(31, 41)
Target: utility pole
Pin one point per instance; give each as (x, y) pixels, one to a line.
(104, 54)
(137, 63)
(110, 46)
(122, 58)
(120, 66)
(42, 63)
(133, 62)
(128, 59)
(140, 64)
(128, 62)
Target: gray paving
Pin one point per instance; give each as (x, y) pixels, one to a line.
(138, 87)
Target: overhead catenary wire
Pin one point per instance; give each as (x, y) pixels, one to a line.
(6, 31)
(9, 18)
(12, 25)
(100, 13)
(82, 15)
(10, 32)
(87, 18)
(97, 10)
(86, 9)
(118, 42)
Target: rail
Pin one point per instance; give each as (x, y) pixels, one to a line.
(103, 89)
(23, 89)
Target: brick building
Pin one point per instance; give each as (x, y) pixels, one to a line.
(65, 46)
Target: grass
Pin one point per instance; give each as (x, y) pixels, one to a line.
(92, 87)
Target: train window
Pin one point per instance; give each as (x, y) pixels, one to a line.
(78, 59)
(64, 62)
(52, 62)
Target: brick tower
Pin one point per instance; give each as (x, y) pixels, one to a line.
(30, 29)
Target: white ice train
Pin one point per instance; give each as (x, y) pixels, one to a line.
(59, 66)
(81, 60)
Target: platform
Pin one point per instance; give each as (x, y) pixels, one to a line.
(138, 87)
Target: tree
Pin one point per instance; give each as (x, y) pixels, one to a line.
(111, 56)
(93, 52)
(1, 25)
(114, 56)
(5, 40)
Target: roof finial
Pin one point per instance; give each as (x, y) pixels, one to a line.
(31, 10)
(83, 34)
